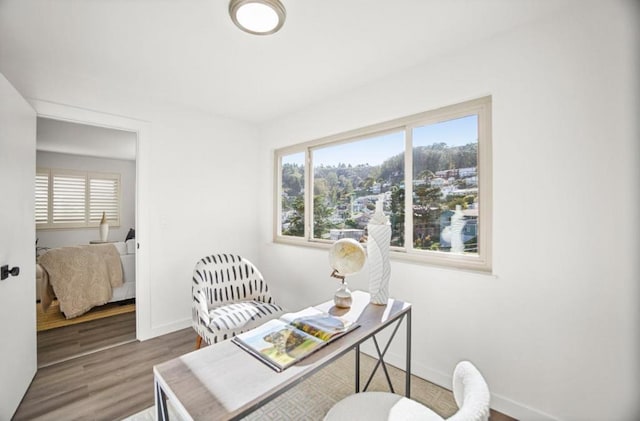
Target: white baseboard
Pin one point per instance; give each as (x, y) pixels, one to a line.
(160, 330)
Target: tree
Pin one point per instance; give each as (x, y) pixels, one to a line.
(428, 197)
(426, 212)
(426, 175)
(292, 179)
(320, 187)
(296, 221)
(392, 169)
(321, 215)
(456, 200)
(397, 216)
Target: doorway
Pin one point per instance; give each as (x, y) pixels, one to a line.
(142, 129)
(83, 171)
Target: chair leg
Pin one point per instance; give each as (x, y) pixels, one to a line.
(198, 342)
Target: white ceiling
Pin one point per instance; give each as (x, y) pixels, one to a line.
(188, 53)
(81, 139)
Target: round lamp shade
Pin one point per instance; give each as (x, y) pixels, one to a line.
(347, 256)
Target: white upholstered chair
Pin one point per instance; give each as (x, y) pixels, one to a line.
(230, 296)
(469, 390)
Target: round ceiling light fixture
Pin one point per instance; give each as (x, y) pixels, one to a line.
(258, 17)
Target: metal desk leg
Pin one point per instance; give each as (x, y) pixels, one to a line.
(161, 404)
(381, 357)
(407, 387)
(358, 368)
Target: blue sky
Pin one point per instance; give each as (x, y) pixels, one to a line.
(375, 150)
(372, 151)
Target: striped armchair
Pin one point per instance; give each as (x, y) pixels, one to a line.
(229, 297)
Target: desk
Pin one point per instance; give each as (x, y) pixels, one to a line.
(224, 382)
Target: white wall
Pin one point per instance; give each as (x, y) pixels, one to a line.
(202, 192)
(196, 182)
(555, 329)
(75, 236)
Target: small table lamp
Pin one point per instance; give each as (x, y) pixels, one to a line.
(346, 257)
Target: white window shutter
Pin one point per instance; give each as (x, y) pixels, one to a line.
(42, 197)
(104, 194)
(75, 199)
(68, 199)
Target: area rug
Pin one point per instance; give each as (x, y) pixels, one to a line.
(312, 398)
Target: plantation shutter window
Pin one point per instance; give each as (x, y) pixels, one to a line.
(75, 199)
(103, 197)
(42, 196)
(69, 203)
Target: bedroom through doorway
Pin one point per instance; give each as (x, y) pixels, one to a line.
(85, 211)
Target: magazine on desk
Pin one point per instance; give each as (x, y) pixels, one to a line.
(282, 342)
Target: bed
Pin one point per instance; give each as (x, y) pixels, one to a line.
(82, 277)
(127, 290)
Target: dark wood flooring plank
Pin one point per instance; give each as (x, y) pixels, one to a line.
(68, 341)
(109, 384)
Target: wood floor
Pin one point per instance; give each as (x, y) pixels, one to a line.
(110, 384)
(107, 385)
(60, 344)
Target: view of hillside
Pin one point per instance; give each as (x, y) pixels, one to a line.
(345, 196)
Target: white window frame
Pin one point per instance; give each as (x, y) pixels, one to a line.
(113, 219)
(476, 262)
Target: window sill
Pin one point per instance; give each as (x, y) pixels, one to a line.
(451, 262)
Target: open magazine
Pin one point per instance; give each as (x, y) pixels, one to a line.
(282, 342)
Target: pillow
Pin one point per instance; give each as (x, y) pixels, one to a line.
(131, 246)
(131, 234)
(121, 247)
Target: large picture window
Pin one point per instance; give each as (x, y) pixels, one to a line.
(432, 171)
(349, 178)
(75, 199)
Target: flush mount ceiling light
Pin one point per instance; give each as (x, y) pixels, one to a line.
(258, 17)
